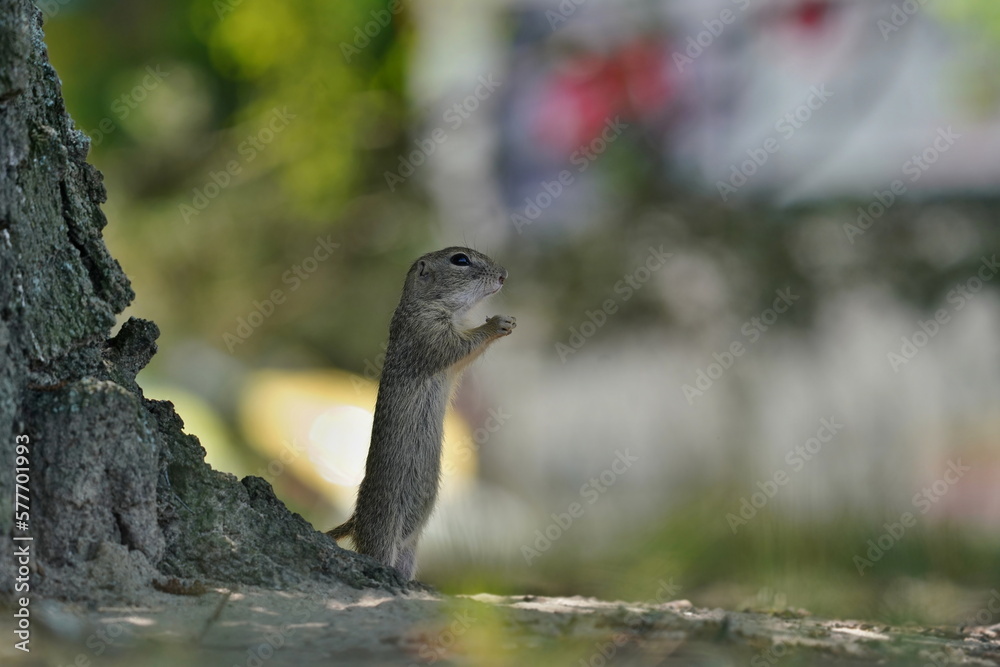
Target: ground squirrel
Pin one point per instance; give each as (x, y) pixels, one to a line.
(427, 351)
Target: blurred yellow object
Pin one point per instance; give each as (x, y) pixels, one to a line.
(317, 424)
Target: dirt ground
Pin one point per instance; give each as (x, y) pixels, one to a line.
(187, 623)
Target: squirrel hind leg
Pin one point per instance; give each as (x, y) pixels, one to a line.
(382, 544)
(406, 560)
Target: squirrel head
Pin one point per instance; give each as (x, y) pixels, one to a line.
(456, 278)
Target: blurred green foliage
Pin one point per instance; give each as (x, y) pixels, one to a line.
(212, 202)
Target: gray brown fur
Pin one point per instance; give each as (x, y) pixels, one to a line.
(428, 349)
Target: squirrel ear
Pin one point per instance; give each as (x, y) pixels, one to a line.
(422, 269)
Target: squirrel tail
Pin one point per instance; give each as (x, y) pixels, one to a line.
(343, 530)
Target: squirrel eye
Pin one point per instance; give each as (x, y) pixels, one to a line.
(460, 259)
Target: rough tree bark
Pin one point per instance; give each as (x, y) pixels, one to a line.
(119, 494)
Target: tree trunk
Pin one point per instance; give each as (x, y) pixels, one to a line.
(119, 495)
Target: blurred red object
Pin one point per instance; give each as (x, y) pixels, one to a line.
(811, 14)
(585, 92)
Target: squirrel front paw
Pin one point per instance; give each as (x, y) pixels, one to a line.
(503, 324)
